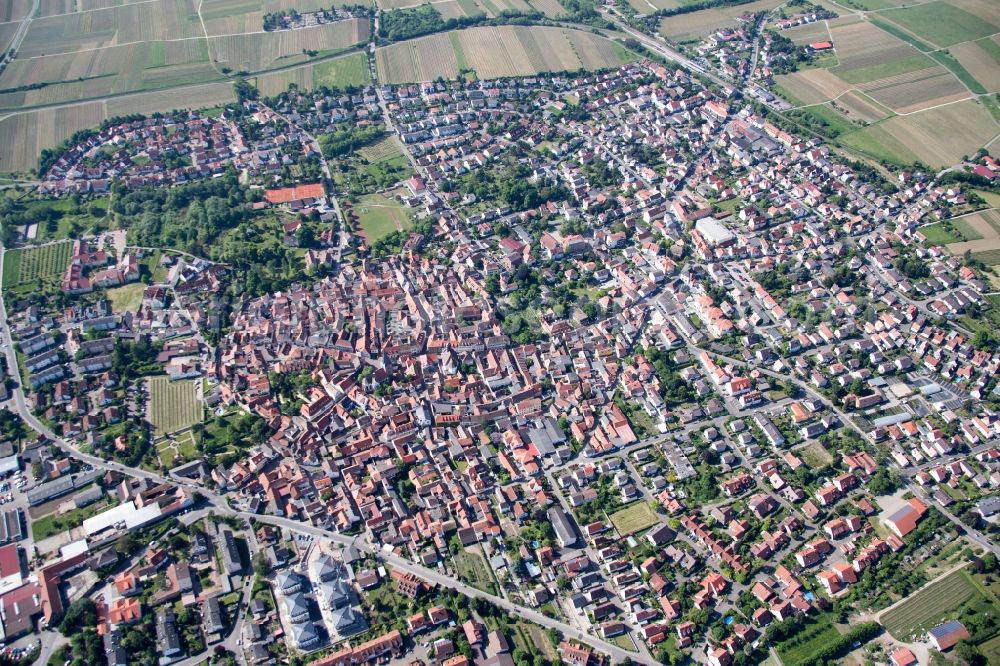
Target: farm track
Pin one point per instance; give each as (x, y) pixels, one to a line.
(9, 111)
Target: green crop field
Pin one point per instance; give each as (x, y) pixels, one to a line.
(929, 606)
(803, 645)
(173, 405)
(31, 266)
(991, 650)
(988, 257)
(941, 23)
(633, 519)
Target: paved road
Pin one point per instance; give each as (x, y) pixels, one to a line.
(917, 490)
(219, 504)
(22, 30)
(660, 48)
(397, 562)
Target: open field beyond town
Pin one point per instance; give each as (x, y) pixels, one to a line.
(340, 72)
(254, 52)
(978, 234)
(902, 83)
(493, 52)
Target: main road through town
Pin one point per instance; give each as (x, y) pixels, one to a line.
(220, 504)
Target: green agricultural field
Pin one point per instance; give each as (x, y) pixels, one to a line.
(954, 231)
(941, 23)
(350, 70)
(803, 645)
(35, 267)
(871, 5)
(634, 518)
(961, 72)
(173, 405)
(875, 142)
(884, 70)
(991, 650)
(929, 606)
(964, 230)
(380, 216)
(988, 257)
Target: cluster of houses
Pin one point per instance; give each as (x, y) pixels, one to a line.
(704, 248)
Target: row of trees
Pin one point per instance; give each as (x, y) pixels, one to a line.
(400, 24)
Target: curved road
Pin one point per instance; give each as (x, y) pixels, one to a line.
(219, 503)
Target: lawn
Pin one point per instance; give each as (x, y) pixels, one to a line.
(816, 633)
(380, 216)
(350, 70)
(150, 264)
(127, 298)
(624, 641)
(730, 205)
(11, 267)
(634, 518)
(936, 234)
(169, 449)
(929, 606)
(174, 405)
